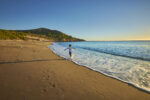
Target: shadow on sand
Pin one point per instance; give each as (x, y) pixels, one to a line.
(31, 61)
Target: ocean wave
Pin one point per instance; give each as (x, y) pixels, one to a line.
(132, 71)
(116, 54)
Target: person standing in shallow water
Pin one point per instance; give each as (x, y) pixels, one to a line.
(70, 51)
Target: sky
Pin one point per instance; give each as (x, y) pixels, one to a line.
(92, 20)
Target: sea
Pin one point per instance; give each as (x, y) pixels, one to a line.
(127, 61)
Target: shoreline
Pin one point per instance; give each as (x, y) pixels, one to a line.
(130, 84)
(56, 78)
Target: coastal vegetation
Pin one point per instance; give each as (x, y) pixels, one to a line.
(5, 35)
(53, 35)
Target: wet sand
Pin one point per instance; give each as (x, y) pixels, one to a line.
(30, 71)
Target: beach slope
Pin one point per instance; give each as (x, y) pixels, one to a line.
(31, 71)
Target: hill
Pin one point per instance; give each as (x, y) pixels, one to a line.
(53, 35)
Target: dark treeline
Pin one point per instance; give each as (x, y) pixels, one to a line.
(42, 32)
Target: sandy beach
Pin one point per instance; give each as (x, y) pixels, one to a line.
(31, 71)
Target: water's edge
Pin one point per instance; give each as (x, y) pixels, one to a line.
(130, 84)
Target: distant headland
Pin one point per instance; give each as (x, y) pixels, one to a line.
(53, 35)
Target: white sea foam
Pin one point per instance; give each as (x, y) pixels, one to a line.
(129, 70)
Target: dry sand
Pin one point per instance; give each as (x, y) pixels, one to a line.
(30, 71)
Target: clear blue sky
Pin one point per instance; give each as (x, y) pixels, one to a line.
(87, 19)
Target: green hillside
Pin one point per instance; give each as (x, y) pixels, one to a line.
(5, 35)
(54, 35)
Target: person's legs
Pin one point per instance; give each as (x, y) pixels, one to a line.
(70, 55)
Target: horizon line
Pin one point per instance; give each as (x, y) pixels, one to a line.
(118, 40)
